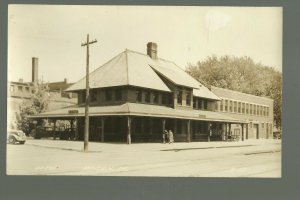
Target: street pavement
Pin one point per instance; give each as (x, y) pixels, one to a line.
(251, 158)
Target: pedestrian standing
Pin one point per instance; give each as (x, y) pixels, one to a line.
(164, 136)
(171, 137)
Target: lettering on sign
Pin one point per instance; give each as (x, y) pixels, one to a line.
(73, 112)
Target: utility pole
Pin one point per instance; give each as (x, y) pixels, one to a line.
(87, 97)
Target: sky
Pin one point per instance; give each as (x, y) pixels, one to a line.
(184, 34)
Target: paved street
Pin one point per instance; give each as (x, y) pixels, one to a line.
(256, 158)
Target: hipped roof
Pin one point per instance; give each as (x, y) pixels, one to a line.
(136, 109)
(137, 69)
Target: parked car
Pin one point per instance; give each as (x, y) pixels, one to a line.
(15, 136)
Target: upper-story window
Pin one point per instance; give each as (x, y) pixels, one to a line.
(221, 105)
(12, 88)
(27, 89)
(230, 106)
(243, 108)
(217, 106)
(83, 96)
(108, 94)
(205, 104)
(250, 109)
(179, 97)
(188, 98)
(20, 88)
(118, 94)
(164, 98)
(147, 96)
(267, 111)
(139, 95)
(155, 97)
(93, 95)
(235, 106)
(239, 107)
(226, 105)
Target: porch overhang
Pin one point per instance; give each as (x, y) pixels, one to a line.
(135, 109)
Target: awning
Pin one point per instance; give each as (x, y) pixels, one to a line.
(135, 109)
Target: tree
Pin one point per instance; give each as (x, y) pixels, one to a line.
(241, 74)
(36, 104)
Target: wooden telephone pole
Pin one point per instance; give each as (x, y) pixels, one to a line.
(87, 99)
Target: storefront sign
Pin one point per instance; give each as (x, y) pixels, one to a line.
(73, 112)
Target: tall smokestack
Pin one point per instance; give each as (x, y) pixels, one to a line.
(152, 50)
(34, 70)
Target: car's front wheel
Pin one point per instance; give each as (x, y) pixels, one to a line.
(12, 140)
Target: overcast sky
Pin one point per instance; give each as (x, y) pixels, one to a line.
(184, 34)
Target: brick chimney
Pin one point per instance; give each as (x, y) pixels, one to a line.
(152, 50)
(34, 70)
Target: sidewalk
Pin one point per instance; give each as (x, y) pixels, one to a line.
(116, 147)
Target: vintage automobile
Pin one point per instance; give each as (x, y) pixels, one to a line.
(16, 136)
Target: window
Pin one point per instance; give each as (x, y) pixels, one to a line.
(12, 88)
(200, 104)
(179, 97)
(243, 108)
(118, 94)
(164, 98)
(226, 105)
(20, 88)
(221, 105)
(27, 89)
(139, 96)
(194, 102)
(230, 106)
(235, 106)
(108, 94)
(247, 108)
(93, 95)
(254, 110)
(261, 110)
(250, 109)
(267, 111)
(83, 96)
(155, 97)
(147, 96)
(188, 98)
(205, 104)
(216, 105)
(239, 107)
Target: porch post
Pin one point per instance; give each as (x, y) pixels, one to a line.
(76, 129)
(54, 132)
(247, 131)
(229, 132)
(102, 129)
(163, 124)
(128, 130)
(189, 130)
(175, 126)
(208, 129)
(242, 132)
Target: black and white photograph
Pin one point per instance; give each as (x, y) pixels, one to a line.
(144, 91)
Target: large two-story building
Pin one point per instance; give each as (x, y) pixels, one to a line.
(135, 97)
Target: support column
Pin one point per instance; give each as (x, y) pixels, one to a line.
(128, 130)
(163, 125)
(226, 132)
(54, 127)
(102, 129)
(188, 130)
(76, 129)
(242, 132)
(208, 129)
(175, 126)
(229, 132)
(247, 131)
